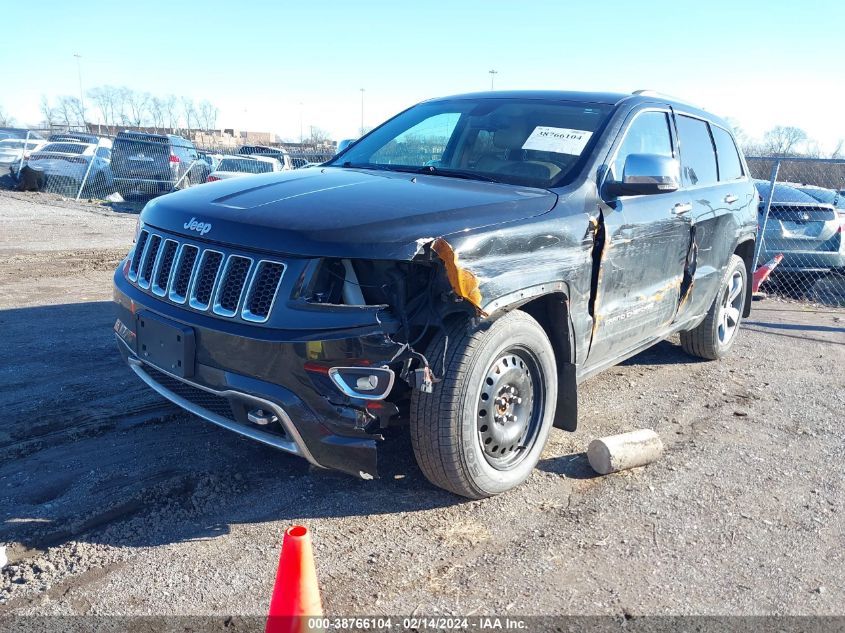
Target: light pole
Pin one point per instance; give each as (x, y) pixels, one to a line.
(300, 122)
(362, 112)
(493, 74)
(81, 97)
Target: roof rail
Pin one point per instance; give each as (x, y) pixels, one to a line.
(656, 93)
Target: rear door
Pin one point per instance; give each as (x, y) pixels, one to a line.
(646, 239)
(721, 194)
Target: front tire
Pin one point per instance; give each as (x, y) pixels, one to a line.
(484, 426)
(714, 337)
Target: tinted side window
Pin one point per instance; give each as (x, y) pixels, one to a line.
(648, 134)
(730, 167)
(698, 159)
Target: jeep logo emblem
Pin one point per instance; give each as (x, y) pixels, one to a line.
(200, 227)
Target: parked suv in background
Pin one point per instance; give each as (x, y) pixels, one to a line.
(456, 272)
(146, 165)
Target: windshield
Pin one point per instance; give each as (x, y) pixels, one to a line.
(537, 143)
(245, 165)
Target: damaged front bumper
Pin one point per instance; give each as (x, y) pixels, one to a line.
(277, 389)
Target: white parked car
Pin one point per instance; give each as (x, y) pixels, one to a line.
(236, 166)
(63, 165)
(14, 151)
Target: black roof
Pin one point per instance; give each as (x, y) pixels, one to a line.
(610, 98)
(607, 98)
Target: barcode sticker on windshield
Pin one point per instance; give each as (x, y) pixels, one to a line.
(560, 140)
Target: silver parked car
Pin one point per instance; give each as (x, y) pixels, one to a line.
(15, 151)
(62, 166)
(805, 230)
(236, 166)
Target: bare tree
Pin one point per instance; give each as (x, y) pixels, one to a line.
(190, 112)
(69, 111)
(122, 97)
(837, 150)
(208, 115)
(106, 99)
(6, 120)
(78, 109)
(171, 110)
(48, 112)
(157, 111)
(135, 106)
(783, 140)
(739, 133)
(317, 136)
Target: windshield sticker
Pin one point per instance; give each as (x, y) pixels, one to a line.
(560, 140)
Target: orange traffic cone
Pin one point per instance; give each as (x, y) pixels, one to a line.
(762, 273)
(296, 596)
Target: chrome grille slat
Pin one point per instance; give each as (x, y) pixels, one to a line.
(148, 260)
(163, 267)
(205, 279)
(262, 290)
(183, 273)
(138, 254)
(230, 291)
(226, 284)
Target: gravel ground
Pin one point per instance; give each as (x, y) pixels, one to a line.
(114, 502)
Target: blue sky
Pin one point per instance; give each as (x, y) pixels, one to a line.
(761, 63)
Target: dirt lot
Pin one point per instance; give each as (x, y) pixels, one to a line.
(114, 502)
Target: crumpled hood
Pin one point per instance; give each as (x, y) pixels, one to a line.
(337, 212)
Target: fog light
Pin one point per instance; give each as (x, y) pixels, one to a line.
(368, 383)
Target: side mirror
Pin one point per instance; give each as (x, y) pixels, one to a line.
(647, 174)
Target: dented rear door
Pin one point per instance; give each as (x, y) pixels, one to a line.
(721, 195)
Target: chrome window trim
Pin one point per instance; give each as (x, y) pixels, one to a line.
(623, 134)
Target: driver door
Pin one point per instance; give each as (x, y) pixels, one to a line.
(646, 240)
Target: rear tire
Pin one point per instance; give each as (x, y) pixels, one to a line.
(484, 426)
(714, 337)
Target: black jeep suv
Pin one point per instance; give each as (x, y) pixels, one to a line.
(458, 270)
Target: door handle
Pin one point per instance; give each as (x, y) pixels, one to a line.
(681, 208)
(730, 198)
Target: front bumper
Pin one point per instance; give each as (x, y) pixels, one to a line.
(239, 369)
(809, 261)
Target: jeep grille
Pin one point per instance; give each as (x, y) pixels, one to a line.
(205, 279)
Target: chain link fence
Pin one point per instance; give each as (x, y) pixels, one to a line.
(801, 235)
(137, 165)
